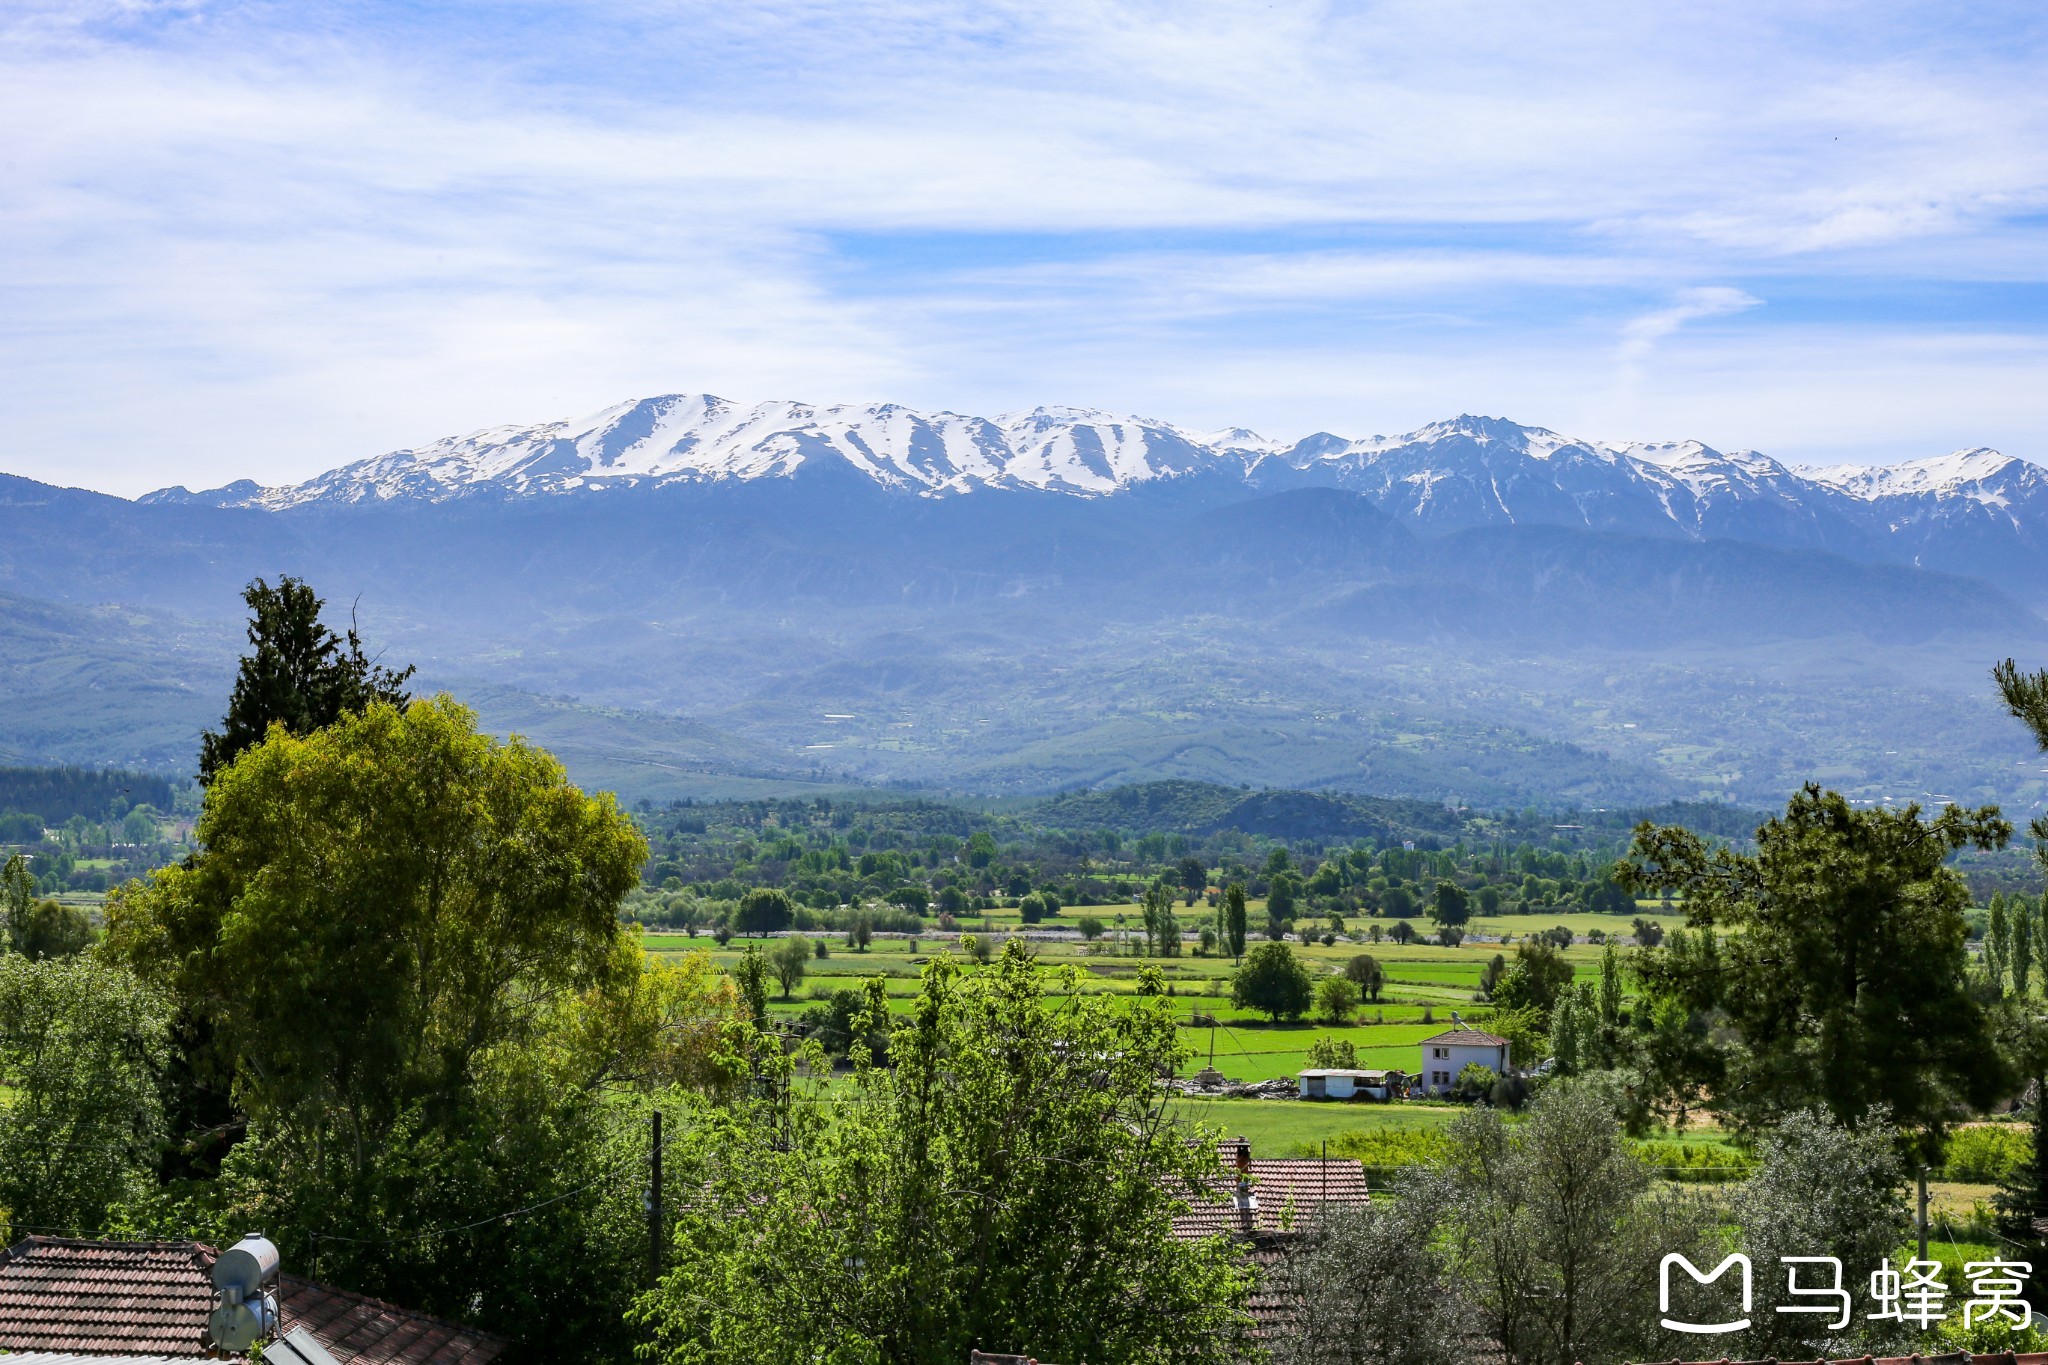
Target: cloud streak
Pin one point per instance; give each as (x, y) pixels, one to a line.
(253, 239)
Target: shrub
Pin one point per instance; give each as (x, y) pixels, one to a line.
(1987, 1154)
(1332, 1054)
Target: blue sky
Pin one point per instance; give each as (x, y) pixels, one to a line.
(258, 240)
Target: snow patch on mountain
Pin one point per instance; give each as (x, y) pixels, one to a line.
(1465, 471)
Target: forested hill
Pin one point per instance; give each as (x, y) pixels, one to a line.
(1201, 808)
(1182, 807)
(57, 794)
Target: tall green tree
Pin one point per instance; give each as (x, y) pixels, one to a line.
(1841, 969)
(297, 673)
(1234, 927)
(17, 899)
(1554, 1233)
(1535, 979)
(789, 959)
(750, 974)
(82, 1044)
(764, 910)
(1450, 907)
(1162, 926)
(1008, 1181)
(2020, 939)
(1274, 981)
(1366, 974)
(2024, 1198)
(1997, 944)
(35, 928)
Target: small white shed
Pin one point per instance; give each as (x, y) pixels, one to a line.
(1339, 1084)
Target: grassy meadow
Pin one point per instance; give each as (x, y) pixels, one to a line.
(1424, 985)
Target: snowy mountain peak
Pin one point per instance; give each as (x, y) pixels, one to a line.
(1466, 471)
(1953, 472)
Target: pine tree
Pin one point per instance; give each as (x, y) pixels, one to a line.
(2025, 1197)
(298, 674)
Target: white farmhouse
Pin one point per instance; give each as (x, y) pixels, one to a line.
(1451, 1051)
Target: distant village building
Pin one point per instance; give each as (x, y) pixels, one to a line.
(1451, 1051)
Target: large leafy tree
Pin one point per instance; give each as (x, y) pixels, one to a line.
(1274, 981)
(81, 1045)
(1008, 1181)
(1835, 956)
(1552, 1232)
(378, 902)
(37, 928)
(297, 673)
(401, 937)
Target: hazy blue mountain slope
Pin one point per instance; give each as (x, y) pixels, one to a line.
(1478, 612)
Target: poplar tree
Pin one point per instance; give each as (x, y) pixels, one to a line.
(1997, 937)
(2020, 957)
(1234, 919)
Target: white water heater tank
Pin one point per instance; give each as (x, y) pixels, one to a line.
(244, 1275)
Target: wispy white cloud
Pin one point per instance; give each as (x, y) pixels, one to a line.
(253, 238)
(1641, 334)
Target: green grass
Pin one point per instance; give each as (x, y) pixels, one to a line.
(1295, 1128)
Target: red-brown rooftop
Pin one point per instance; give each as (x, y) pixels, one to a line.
(152, 1298)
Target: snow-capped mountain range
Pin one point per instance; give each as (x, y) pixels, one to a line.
(1468, 471)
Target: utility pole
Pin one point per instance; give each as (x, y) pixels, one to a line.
(654, 1204)
(1923, 1213)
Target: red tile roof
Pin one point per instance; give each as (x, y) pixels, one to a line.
(1286, 1190)
(359, 1330)
(136, 1298)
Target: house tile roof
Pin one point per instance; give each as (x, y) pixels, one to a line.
(359, 1330)
(132, 1298)
(1286, 1191)
(1466, 1037)
(152, 1298)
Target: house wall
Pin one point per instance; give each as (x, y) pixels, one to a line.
(1461, 1055)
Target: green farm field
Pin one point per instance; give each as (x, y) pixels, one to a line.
(1292, 1128)
(1424, 985)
